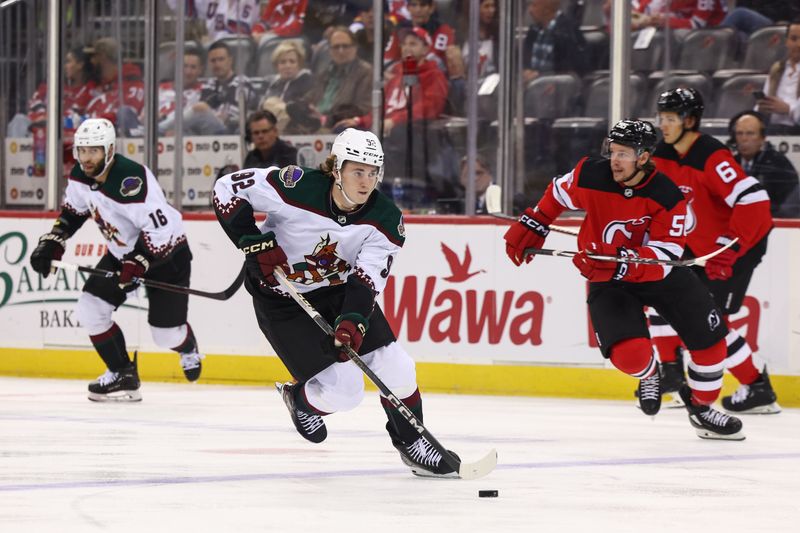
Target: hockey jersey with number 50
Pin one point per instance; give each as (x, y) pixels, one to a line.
(324, 245)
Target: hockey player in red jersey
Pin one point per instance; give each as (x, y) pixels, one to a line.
(634, 211)
(335, 236)
(723, 203)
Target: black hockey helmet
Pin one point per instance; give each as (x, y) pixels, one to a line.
(638, 134)
(685, 101)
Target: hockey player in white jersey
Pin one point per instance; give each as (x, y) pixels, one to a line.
(144, 236)
(336, 236)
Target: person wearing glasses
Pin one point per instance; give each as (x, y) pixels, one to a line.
(268, 149)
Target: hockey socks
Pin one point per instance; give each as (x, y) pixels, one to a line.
(110, 345)
(399, 429)
(739, 359)
(705, 373)
(190, 357)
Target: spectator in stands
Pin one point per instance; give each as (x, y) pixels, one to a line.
(323, 15)
(683, 14)
(218, 109)
(777, 11)
(363, 27)
(483, 178)
(192, 88)
(423, 15)
(782, 88)
(294, 80)
(347, 81)
(234, 18)
(554, 43)
(280, 18)
(122, 107)
(759, 159)
(269, 150)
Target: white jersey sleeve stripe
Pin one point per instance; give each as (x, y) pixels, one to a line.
(560, 193)
(740, 194)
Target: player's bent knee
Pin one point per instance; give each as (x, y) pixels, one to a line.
(393, 366)
(94, 314)
(168, 337)
(633, 356)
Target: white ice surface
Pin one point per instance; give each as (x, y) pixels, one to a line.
(217, 458)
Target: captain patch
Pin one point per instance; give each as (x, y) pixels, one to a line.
(131, 186)
(290, 175)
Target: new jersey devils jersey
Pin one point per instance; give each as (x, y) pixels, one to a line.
(722, 199)
(647, 218)
(324, 246)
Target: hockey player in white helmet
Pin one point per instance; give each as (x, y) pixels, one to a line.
(145, 237)
(336, 236)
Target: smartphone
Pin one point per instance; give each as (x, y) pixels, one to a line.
(759, 95)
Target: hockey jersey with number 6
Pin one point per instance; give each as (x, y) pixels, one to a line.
(324, 245)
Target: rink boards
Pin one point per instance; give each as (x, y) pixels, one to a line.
(473, 321)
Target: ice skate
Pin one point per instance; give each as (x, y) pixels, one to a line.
(649, 393)
(673, 378)
(424, 460)
(310, 426)
(120, 386)
(756, 398)
(191, 365)
(710, 423)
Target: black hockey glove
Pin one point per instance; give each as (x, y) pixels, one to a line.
(134, 265)
(262, 255)
(51, 246)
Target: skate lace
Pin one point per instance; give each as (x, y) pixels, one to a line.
(741, 394)
(310, 423)
(650, 389)
(107, 377)
(423, 453)
(717, 418)
(190, 361)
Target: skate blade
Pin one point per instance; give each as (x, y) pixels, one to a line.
(124, 396)
(671, 400)
(769, 409)
(710, 435)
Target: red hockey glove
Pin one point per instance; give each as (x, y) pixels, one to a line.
(529, 231)
(600, 271)
(720, 267)
(262, 255)
(134, 265)
(349, 330)
(51, 246)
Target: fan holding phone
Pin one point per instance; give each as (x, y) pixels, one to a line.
(780, 96)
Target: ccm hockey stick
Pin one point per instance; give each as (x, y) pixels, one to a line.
(465, 470)
(695, 261)
(224, 295)
(494, 195)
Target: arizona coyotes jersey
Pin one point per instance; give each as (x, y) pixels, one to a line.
(128, 207)
(647, 218)
(324, 246)
(723, 200)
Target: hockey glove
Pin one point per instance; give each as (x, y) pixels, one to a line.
(349, 330)
(601, 271)
(529, 231)
(134, 265)
(720, 267)
(262, 255)
(51, 246)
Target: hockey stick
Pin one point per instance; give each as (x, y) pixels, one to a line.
(223, 295)
(474, 470)
(695, 261)
(494, 195)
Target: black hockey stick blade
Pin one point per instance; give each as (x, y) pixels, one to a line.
(494, 195)
(698, 261)
(223, 295)
(474, 470)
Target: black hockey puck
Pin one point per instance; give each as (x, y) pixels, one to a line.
(488, 493)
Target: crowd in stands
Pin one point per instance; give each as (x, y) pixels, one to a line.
(305, 67)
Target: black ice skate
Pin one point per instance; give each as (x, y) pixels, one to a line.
(190, 362)
(673, 378)
(424, 460)
(310, 426)
(710, 423)
(756, 398)
(649, 393)
(120, 386)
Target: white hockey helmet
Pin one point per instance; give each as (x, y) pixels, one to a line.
(95, 132)
(360, 146)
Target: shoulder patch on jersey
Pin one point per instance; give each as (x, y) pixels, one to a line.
(290, 175)
(401, 228)
(131, 186)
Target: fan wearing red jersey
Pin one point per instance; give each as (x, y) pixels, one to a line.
(723, 203)
(633, 210)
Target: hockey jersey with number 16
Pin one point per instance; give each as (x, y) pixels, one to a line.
(324, 245)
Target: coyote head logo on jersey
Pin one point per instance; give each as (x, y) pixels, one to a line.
(321, 264)
(108, 230)
(634, 232)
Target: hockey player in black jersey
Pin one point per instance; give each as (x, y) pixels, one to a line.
(335, 236)
(144, 235)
